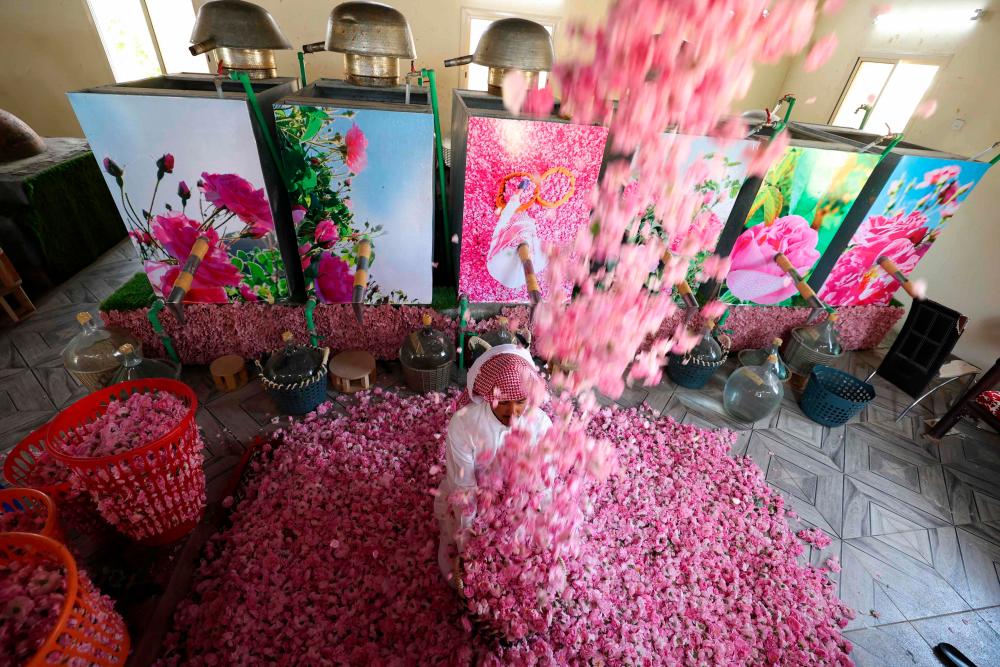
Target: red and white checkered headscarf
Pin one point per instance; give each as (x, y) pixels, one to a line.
(501, 377)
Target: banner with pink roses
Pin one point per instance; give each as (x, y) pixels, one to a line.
(801, 204)
(180, 168)
(921, 196)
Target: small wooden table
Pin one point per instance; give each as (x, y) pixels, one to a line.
(352, 371)
(229, 372)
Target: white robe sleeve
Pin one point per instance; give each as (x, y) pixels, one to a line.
(460, 463)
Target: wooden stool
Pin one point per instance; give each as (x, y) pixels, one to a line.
(352, 370)
(229, 372)
(10, 286)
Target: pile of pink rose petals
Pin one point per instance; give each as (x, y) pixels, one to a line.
(684, 556)
(138, 420)
(31, 599)
(30, 520)
(46, 471)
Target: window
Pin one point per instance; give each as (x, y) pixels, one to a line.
(144, 38)
(475, 24)
(892, 88)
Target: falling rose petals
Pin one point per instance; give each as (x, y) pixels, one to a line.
(514, 91)
(539, 102)
(880, 10)
(919, 288)
(926, 108)
(760, 160)
(832, 6)
(820, 52)
(810, 100)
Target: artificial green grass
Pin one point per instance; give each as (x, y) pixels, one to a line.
(134, 294)
(444, 297)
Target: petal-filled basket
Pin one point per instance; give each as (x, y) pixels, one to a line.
(20, 507)
(89, 630)
(154, 493)
(25, 457)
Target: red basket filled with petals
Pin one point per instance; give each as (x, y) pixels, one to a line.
(53, 614)
(28, 464)
(29, 511)
(136, 448)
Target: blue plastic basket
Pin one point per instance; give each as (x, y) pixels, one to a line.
(832, 397)
(691, 374)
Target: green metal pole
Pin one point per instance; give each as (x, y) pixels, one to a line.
(780, 125)
(995, 159)
(439, 146)
(153, 314)
(868, 114)
(302, 69)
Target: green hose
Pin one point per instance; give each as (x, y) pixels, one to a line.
(310, 323)
(302, 68)
(154, 319)
(265, 130)
(439, 146)
(463, 321)
(892, 144)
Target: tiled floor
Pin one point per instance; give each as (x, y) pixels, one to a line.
(916, 525)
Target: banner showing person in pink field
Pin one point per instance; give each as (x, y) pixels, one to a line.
(906, 219)
(526, 182)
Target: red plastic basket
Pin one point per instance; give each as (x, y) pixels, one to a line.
(154, 493)
(19, 501)
(23, 458)
(89, 629)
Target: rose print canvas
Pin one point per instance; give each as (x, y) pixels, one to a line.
(920, 197)
(802, 201)
(180, 168)
(526, 181)
(361, 174)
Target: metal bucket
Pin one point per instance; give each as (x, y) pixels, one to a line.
(801, 358)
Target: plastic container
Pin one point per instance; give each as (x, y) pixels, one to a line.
(19, 501)
(78, 635)
(154, 493)
(296, 376)
(24, 457)
(694, 369)
(90, 356)
(427, 356)
(832, 397)
(135, 367)
(753, 392)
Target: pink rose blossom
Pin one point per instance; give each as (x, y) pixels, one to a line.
(355, 149)
(326, 233)
(940, 175)
(299, 213)
(926, 108)
(878, 229)
(538, 102)
(754, 276)
(335, 281)
(177, 234)
(235, 194)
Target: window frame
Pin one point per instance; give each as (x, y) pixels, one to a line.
(467, 14)
(894, 59)
(150, 28)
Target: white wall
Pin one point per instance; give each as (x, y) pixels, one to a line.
(963, 268)
(48, 47)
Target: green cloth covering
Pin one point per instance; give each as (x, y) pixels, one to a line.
(71, 214)
(135, 293)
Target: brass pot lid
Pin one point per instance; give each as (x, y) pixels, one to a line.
(512, 44)
(369, 29)
(235, 24)
(17, 139)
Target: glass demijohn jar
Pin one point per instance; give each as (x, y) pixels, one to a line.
(91, 356)
(294, 363)
(707, 351)
(135, 367)
(759, 356)
(821, 337)
(753, 392)
(426, 348)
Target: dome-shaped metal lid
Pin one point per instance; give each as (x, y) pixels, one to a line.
(236, 24)
(515, 44)
(17, 139)
(369, 29)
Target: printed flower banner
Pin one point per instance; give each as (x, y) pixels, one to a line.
(717, 170)
(180, 168)
(801, 203)
(919, 198)
(361, 174)
(526, 181)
